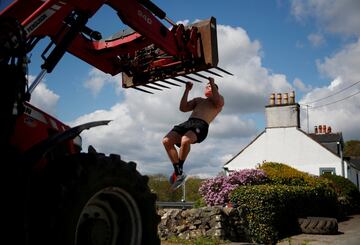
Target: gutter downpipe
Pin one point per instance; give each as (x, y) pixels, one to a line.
(342, 160)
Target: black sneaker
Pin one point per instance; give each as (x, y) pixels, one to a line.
(180, 180)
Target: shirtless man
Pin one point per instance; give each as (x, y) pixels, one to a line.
(194, 130)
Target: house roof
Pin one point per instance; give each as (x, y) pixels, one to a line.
(355, 162)
(327, 138)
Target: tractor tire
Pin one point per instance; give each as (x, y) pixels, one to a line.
(92, 199)
(318, 225)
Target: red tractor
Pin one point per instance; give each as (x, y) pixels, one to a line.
(53, 192)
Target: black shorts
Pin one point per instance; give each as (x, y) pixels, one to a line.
(198, 126)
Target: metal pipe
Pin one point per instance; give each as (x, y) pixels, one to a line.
(221, 69)
(214, 73)
(37, 80)
(142, 90)
(179, 80)
(191, 78)
(200, 75)
(168, 82)
(160, 85)
(148, 86)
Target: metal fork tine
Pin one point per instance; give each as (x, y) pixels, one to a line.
(221, 69)
(148, 86)
(200, 75)
(142, 90)
(214, 73)
(179, 80)
(168, 82)
(160, 85)
(191, 78)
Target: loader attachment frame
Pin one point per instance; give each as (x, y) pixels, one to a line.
(204, 57)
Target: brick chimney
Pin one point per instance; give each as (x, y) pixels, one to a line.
(322, 129)
(329, 130)
(284, 113)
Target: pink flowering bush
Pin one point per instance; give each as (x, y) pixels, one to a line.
(215, 191)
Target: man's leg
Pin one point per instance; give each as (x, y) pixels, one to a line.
(169, 142)
(186, 140)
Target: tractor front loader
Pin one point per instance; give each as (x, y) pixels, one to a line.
(54, 192)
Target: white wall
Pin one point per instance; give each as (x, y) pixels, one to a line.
(289, 146)
(282, 116)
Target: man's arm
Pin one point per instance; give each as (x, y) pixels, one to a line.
(216, 98)
(186, 105)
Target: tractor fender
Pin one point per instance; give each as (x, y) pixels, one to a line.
(39, 150)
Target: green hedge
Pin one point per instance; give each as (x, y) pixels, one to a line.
(279, 173)
(347, 192)
(271, 211)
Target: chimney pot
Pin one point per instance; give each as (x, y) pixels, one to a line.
(286, 98)
(324, 129)
(329, 130)
(320, 129)
(279, 99)
(292, 97)
(272, 99)
(316, 130)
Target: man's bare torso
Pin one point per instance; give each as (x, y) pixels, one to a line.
(205, 110)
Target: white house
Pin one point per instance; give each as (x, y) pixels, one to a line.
(283, 141)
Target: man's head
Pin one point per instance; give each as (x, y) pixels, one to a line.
(208, 90)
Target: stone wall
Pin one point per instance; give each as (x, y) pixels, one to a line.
(217, 222)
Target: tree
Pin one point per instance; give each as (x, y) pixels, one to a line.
(352, 148)
(159, 184)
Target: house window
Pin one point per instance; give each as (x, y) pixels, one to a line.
(327, 171)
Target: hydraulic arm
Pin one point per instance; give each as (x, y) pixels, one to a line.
(150, 52)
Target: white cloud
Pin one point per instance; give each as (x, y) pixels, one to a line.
(236, 127)
(344, 63)
(248, 90)
(44, 98)
(316, 39)
(97, 80)
(301, 86)
(335, 104)
(334, 16)
(342, 117)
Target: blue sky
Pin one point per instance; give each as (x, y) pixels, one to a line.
(309, 46)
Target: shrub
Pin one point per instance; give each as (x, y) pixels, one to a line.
(270, 212)
(215, 191)
(199, 203)
(347, 193)
(282, 174)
